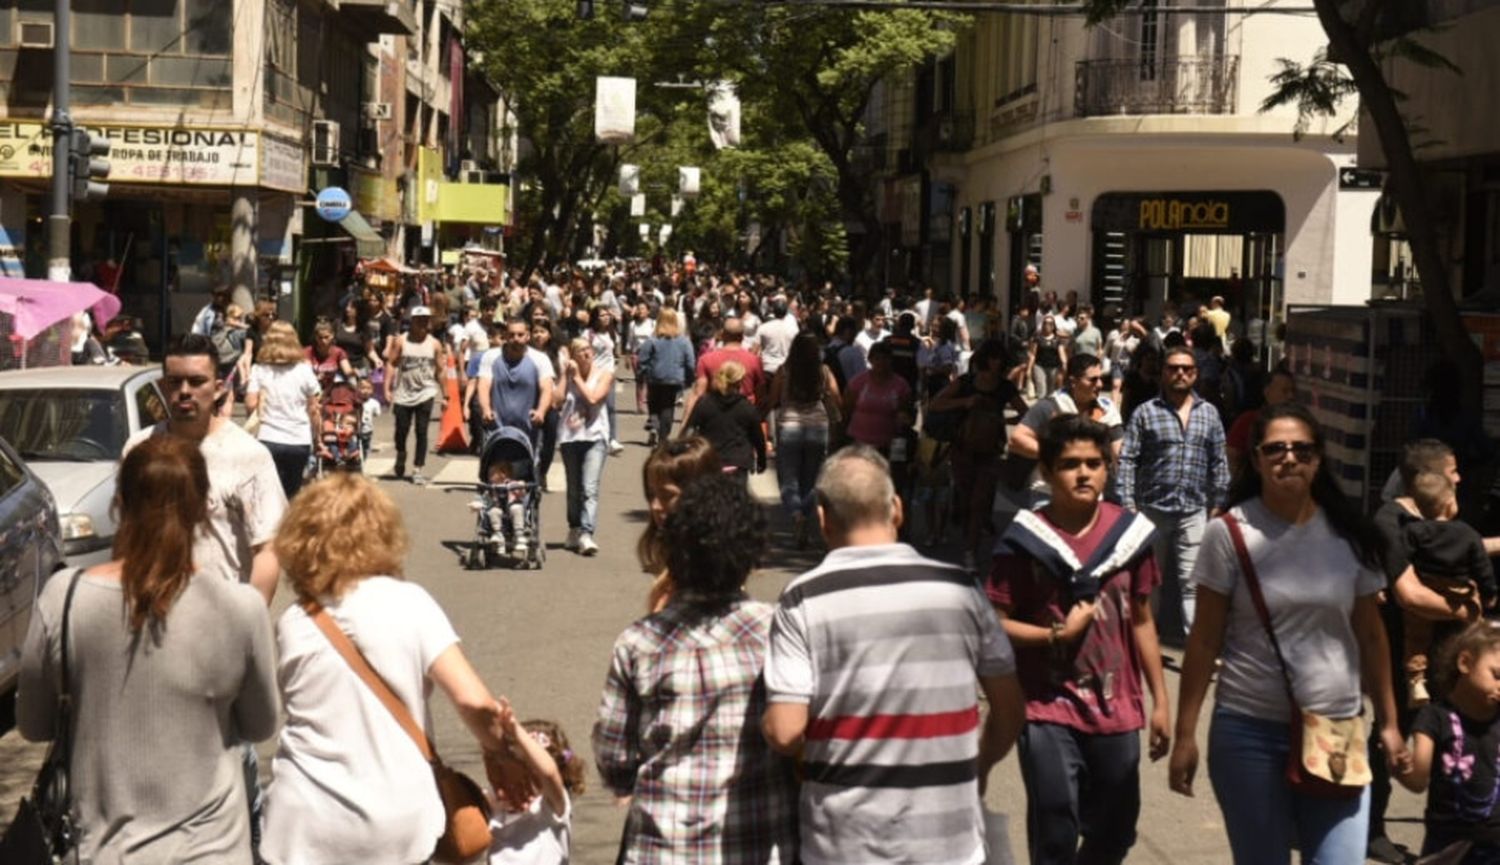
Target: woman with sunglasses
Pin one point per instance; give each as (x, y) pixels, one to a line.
(1315, 559)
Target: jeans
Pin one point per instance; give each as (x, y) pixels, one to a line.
(800, 452)
(614, 418)
(1177, 540)
(584, 464)
(1263, 817)
(291, 465)
(1079, 786)
(661, 401)
(405, 414)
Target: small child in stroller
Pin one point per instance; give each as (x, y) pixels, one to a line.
(507, 508)
(510, 492)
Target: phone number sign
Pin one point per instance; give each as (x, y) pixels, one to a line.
(143, 154)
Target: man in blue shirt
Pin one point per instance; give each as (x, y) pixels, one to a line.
(513, 391)
(1174, 469)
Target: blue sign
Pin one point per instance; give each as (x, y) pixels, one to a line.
(333, 204)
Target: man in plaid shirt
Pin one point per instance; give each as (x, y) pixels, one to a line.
(1174, 469)
(678, 725)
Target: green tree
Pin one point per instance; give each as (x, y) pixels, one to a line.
(1361, 35)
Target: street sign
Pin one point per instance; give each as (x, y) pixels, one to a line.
(1361, 178)
(333, 204)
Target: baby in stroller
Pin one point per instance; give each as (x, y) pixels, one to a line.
(507, 509)
(343, 449)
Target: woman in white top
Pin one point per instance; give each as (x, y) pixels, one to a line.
(601, 336)
(284, 388)
(1315, 558)
(348, 784)
(582, 436)
(642, 328)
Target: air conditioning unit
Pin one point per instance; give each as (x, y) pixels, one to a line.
(325, 142)
(471, 175)
(467, 166)
(377, 111)
(34, 34)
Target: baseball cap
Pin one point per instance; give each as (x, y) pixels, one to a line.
(421, 312)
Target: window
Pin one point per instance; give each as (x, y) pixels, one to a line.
(1150, 34)
(1016, 57)
(150, 408)
(69, 424)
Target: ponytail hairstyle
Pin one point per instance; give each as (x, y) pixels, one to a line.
(1478, 638)
(162, 502)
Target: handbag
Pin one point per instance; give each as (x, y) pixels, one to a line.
(466, 831)
(43, 831)
(1329, 757)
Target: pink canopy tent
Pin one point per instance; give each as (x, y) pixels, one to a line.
(36, 304)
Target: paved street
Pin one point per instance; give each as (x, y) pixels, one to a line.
(543, 638)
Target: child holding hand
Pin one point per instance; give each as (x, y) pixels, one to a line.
(537, 831)
(1455, 754)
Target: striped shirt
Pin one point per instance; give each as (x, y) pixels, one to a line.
(885, 647)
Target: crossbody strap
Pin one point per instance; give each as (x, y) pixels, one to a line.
(351, 654)
(64, 737)
(1258, 599)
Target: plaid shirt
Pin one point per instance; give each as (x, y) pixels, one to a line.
(1167, 468)
(679, 732)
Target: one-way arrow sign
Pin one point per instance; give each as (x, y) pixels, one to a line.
(1361, 178)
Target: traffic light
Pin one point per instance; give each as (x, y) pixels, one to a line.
(90, 167)
(585, 10)
(633, 10)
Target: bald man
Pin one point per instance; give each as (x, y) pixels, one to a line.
(870, 678)
(731, 347)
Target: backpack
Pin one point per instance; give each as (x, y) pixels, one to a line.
(229, 342)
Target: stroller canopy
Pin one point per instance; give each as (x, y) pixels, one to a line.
(507, 444)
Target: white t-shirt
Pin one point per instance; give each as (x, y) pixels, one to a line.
(604, 349)
(865, 339)
(578, 421)
(284, 391)
(479, 338)
(536, 836)
(367, 415)
(775, 337)
(348, 784)
(245, 500)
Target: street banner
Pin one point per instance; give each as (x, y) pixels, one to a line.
(638, 205)
(630, 179)
(614, 110)
(688, 179)
(723, 115)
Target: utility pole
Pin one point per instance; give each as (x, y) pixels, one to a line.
(59, 226)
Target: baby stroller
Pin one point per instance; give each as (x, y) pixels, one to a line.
(340, 409)
(507, 510)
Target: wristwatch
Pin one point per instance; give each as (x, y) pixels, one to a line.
(1054, 635)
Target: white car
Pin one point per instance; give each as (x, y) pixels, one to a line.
(70, 424)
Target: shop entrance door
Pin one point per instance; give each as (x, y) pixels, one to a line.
(1263, 295)
(1152, 262)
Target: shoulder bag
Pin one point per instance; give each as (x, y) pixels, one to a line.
(43, 832)
(1329, 758)
(466, 831)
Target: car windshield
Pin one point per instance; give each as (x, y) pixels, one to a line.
(73, 424)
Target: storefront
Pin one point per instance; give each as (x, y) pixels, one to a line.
(1158, 250)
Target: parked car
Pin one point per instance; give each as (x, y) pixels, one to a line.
(70, 424)
(31, 548)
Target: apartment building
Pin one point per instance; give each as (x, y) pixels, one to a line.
(1128, 163)
(226, 118)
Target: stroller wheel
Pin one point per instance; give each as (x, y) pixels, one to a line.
(474, 558)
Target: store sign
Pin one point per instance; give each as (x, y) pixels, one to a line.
(333, 204)
(198, 156)
(281, 165)
(1190, 212)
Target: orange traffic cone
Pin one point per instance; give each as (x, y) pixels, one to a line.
(453, 436)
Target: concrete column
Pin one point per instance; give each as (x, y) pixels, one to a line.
(242, 234)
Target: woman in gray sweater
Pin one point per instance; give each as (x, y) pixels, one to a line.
(170, 673)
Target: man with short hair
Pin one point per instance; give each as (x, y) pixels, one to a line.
(732, 337)
(1173, 469)
(515, 388)
(842, 356)
(1217, 316)
(1083, 394)
(1087, 339)
(870, 676)
(775, 336)
(873, 332)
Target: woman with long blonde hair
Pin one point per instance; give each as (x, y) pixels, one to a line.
(666, 362)
(285, 392)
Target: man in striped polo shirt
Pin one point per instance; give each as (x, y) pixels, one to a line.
(870, 674)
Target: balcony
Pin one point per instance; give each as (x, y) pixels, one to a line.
(1171, 85)
(946, 132)
(371, 18)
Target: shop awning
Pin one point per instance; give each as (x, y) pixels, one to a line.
(367, 243)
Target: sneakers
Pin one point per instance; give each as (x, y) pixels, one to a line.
(615, 448)
(586, 545)
(418, 479)
(520, 550)
(651, 438)
(1416, 693)
(573, 536)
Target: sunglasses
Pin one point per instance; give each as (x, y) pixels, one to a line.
(1184, 368)
(1301, 451)
(1091, 379)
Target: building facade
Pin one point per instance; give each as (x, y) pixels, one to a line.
(226, 118)
(1129, 163)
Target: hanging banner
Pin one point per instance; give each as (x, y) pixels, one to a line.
(723, 115)
(645, 231)
(676, 204)
(664, 233)
(614, 110)
(638, 205)
(687, 181)
(630, 179)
